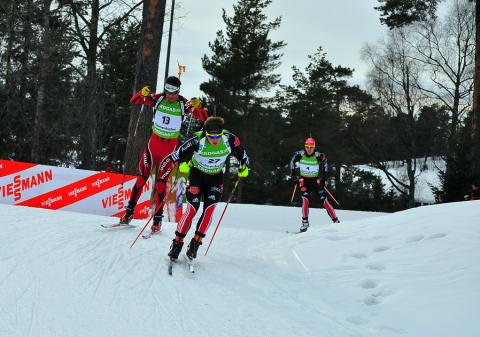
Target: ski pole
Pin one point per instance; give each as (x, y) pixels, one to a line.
(331, 196)
(293, 194)
(139, 115)
(150, 219)
(188, 128)
(223, 213)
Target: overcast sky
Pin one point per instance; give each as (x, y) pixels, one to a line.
(341, 27)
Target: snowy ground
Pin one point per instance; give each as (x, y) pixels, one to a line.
(412, 273)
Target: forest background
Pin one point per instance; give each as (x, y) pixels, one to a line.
(69, 67)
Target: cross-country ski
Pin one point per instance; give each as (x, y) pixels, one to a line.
(117, 225)
(150, 234)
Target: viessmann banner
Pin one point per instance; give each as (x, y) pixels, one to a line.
(26, 184)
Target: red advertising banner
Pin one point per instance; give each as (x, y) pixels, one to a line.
(50, 187)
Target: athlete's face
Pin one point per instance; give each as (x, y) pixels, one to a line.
(310, 150)
(171, 97)
(213, 141)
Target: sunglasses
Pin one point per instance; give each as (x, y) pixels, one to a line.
(214, 136)
(309, 147)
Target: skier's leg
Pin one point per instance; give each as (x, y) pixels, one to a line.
(164, 147)
(193, 203)
(212, 196)
(330, 210)
(304, 192)
(144, 168)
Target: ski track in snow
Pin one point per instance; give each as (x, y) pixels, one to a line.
(66, 277)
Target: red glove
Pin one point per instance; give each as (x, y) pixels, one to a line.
(200, 113)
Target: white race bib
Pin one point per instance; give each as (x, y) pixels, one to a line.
(309, 169)
(166, 122)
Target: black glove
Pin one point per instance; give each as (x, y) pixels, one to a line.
(294, 178)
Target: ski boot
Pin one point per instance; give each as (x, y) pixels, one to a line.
(128, 216)
(304, 226)
(175, 249)
(336, 220)
(192, 249)
(157, 223)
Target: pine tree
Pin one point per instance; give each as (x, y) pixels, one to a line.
(242, 69)
(314, 106)
(19, 33)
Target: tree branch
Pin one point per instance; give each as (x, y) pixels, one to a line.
(119, 20)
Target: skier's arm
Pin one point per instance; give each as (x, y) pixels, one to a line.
(237, 150)
(194, 107)
(183, 153)
(296, 157)
(143, 97)
(186, 150)
(323, 163)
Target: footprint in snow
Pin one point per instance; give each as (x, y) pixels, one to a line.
(336, 237)
(392, 330)
(359, 255)
(371, 300)
(414, 238)
(437, 236)
(381, 248)
(375, 266)
(376, 297)
(357, 320)
(368, 284)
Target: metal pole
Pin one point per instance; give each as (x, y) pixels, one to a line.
(167, 65)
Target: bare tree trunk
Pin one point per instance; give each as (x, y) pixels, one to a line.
(45, 51)
(411, 168)
(411, 161)
(27, 41)
(337, 179)
(89, 127)
(146, 74)
(408, 91)
(451, 145)
(476, 96)
(9, 50)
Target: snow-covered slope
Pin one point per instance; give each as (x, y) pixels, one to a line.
(413, 273)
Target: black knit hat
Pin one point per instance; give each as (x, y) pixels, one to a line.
(214, 125)
(172, 84)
